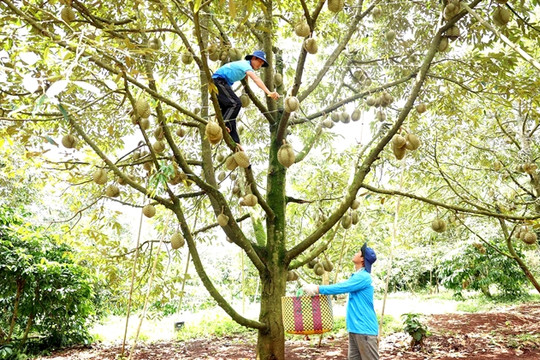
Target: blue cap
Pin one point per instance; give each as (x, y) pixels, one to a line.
(258, 54)
(369, 257)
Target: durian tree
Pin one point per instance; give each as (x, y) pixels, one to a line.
(126, 89)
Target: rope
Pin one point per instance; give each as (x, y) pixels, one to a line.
(132, 283)
(391, 257)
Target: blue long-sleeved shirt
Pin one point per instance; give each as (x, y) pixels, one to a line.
(361, 317)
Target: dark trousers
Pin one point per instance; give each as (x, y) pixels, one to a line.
(230, 106)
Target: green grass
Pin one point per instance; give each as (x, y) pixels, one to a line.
(483, 304)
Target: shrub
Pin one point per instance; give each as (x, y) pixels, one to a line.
(478, 267)
(415, 328)
(44, 293)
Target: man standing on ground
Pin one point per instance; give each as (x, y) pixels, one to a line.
(361, 318)
(227, 75)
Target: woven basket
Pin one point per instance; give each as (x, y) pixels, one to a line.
(307, 315)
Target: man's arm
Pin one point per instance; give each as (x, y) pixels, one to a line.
(274, 95)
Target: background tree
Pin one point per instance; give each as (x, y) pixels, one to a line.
(125, 87)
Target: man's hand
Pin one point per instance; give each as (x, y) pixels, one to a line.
(311, 289)
(274, 95)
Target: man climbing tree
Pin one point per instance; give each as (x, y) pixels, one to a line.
(227, 75)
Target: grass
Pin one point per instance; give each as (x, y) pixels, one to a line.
(215, 325)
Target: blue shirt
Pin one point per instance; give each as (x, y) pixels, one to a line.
(361, 317)
(233, 71)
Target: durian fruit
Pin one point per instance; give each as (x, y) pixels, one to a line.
(318, 269)
(412, 142)
(177, 241)
(380, 116)
(112, 191)
(335, 5)
(148, 166)
(159, 134)
(69, 141)
(311, 46)
(278, 79)
(142, 108)
(355, 116)
(399, 141)
(355, 218)
(100, 176)
(355, 204)
(521, 231)
(386, 99)
(220, 157)
(376, 12)
(335, 116)
(451, 9)
(291, 104)
(158, 146)
(497, 165)
(221, 176)
(155, 44)
(213, 53)
(149, 210)
(421, 108)
(177, 178)
(529, 238)
(452, 33)
(529, 168)
(250, 200)
(327, 123)
(230, 163)
(245, 100)
(286, 155)
(67, 14)
(214, 133)
(222, 219)
(302, 29)
(327, 265)
(241, 159)
(390, 35)
(501, 16)
(181, 132)
(371, 100)
(443, 45)
(344, 117)
(399, 152)
(235, 54)
(438, 225)
(144, 123)
(346, 221)
(312, 263)
(292, 275)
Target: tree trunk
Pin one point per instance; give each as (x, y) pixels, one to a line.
(271, 342)
(20, 287)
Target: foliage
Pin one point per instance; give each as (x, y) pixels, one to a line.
(45, 293)
(413, 326)
(479, 267)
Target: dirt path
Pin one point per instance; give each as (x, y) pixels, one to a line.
(510, 334)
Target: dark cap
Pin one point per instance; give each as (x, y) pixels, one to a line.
(369, 257)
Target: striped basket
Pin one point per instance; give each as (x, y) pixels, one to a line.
(307, 315)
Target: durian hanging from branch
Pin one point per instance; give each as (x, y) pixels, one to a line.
(286, 154)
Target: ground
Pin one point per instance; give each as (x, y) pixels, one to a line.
(509, 333)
